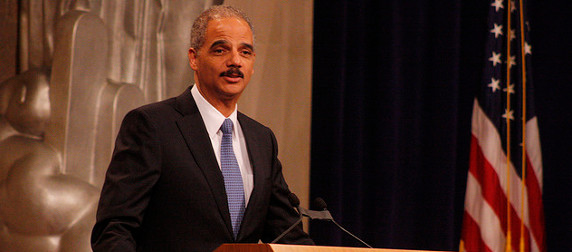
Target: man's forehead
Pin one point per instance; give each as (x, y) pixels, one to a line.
(231, 26)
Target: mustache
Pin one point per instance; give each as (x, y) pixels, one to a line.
(232, 72)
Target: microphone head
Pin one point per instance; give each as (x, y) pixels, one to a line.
(319, 203)
(293, 199)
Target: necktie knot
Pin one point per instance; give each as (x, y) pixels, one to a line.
(226, 127)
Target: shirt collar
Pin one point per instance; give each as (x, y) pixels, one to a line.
(212, 118)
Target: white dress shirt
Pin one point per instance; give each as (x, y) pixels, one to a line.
(213, 120)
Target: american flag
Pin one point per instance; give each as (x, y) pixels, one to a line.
(503, 200)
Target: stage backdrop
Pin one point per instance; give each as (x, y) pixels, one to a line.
(71, 69)
(393, 87)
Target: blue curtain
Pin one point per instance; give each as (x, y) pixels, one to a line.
(393, 88)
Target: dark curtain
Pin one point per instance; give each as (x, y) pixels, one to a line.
(393, 88)
(551, 32)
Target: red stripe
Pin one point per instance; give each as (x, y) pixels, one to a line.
(536, 211)
(472, 235)
(487, 177)
(493, 193)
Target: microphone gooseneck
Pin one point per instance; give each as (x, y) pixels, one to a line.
(352, 235)
(319, 203)
(322, 214)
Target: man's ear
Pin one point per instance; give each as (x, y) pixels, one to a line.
(193, 59)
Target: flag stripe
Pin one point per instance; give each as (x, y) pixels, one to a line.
(478, 209)
(474, 239)
(534, 184)
(533, 149)
(490, 145)
(488, 204)
(536, 214)
(491, 192)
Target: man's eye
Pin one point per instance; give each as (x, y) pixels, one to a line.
(218, 51)
(247, 52)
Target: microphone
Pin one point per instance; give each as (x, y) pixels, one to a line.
(319, 203)
(316, 215)
(294, 201)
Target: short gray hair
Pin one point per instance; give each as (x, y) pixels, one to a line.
(199, 29)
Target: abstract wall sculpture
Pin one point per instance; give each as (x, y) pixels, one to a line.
(82, 66)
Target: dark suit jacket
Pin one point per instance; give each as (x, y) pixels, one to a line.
(164, 190)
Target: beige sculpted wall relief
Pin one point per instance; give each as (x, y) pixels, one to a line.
(81, 66)
(71, 69)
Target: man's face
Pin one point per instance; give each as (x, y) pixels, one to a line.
(224, 64)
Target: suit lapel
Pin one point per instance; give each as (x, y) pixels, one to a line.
(256, 160)
(195, 134)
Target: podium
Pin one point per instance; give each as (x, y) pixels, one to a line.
(300, 248)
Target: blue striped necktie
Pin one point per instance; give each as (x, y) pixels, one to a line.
(232, 177)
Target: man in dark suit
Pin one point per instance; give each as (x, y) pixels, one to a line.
(191, 173)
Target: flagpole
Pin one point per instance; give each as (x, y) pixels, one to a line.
(492, 136)
(508, 246)
(523, 71)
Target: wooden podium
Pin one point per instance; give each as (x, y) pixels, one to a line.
(299, 248)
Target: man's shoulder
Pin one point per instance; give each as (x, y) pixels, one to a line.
(174, 106)
(157, 109)
(248, 122)
(158, 114)
(158, 105)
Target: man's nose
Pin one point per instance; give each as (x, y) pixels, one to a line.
(234, 59)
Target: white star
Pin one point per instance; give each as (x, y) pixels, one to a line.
(512, 61)
(510, 89)
(495, 84)
(527, 48)
(497, 4)
(497, 30)
(508, 114)
(512, 35)
(495, 58)
(512, 6)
